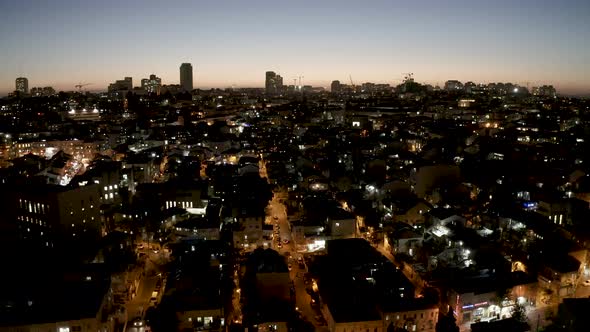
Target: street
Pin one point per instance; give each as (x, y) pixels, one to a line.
(136, 308)
(276, 209)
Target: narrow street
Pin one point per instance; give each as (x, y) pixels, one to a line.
(407, 270)
(136, 308)
(277, 209)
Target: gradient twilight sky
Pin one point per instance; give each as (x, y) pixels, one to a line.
(63, 42)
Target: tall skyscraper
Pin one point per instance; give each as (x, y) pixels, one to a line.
(335, 88)
(186, 76)
(269, 82)
(273, 83)
(22, 85)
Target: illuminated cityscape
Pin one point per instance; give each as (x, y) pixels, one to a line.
(283, 189)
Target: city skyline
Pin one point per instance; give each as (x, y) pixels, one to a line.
(234, 44)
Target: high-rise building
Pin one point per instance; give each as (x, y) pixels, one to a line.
(42, 91)
(152, 84)
(22, 85)
(125, 84)
(545, 91)
(186, 76)
(273, 83)
(335, 87)
(453, 85)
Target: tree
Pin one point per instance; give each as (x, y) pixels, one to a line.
(519, 313)
(447, 323)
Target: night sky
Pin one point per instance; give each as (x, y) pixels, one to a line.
(61, 43)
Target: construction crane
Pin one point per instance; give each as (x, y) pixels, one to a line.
(80, 85)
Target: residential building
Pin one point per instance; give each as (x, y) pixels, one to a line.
(335, 87)
(49, 216)
(453, 85)
(22, 85)
(121, 86)
(42, 91)
(273, 83)
(152, 84)
(75, 302)
(186, 77)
